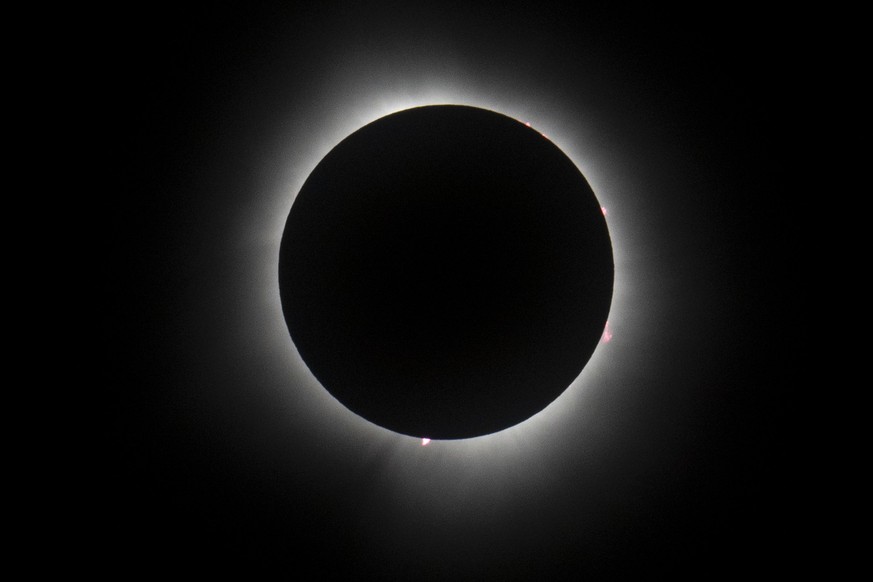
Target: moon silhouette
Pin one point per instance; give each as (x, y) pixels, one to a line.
(446, 272)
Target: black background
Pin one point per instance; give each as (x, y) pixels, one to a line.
(695, 475)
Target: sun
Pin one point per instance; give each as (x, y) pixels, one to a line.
(312, 131)
(456, 471)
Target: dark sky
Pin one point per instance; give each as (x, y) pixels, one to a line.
(679, 463)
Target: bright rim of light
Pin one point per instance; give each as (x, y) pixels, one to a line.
(458, 475)
(310, 133)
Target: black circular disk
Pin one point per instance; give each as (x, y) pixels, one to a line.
(446, 272)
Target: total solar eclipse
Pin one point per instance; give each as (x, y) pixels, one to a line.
(446, 272)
